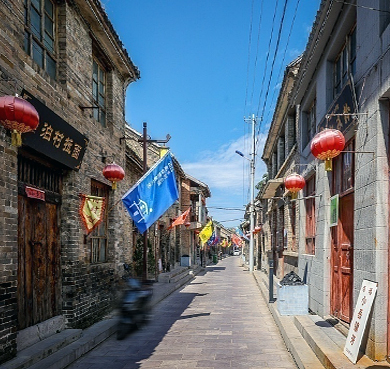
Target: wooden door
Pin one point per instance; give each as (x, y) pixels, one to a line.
(345, 258)
(342, 238)
(39, 287)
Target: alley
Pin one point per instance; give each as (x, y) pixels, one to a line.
(219, 320)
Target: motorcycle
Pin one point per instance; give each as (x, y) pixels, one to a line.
(135, 304)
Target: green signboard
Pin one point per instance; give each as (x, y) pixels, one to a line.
(334, 210)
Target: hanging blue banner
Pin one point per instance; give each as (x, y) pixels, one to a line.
(153, 194)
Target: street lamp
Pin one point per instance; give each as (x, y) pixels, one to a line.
(252, 203)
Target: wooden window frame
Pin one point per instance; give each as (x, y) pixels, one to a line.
(310, 123)
(37, 41)
(345, 63)
(99, 92)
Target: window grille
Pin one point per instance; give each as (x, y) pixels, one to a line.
(99, 92)
(39, 36)
(345, 63)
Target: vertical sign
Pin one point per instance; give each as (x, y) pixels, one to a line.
(359, 320)
(334, 210)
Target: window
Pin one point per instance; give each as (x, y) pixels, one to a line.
(384, 15)
(99, 92)
(310, 215)
(343, 171)
(99, 234)
(309, 124)
(345, 63)
(39, 36)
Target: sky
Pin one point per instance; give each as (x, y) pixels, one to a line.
(207, 67)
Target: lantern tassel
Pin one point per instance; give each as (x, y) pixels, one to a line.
(113, 185)
(294, 195)
(16, 138)
(328, 165)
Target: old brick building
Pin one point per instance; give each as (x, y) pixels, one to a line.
(66, 59)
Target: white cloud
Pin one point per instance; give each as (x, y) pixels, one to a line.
(228, 175)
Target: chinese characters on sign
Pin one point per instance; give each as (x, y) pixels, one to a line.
(340, 112)
(359, 320)
(334, 210)
(34, 193)
(54, 137)
(59, 140)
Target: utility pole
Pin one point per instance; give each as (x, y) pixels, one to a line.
(145, 141)
(252, 203)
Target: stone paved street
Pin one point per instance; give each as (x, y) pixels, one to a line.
(219, 320)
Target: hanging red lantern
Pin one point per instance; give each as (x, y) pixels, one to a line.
(18, 116)
(114, 173)
(294, 183)
(256, 230)
(326, 145)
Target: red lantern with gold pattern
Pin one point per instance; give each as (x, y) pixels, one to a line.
(294, 183)
(114, 173)
(18, 116)
(326, 145)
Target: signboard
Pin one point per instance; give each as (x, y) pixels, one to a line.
(54, 137)
(344, 104)
(359, 320)
(34, 193)
(334, 210)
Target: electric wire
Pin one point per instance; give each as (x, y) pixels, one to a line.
(249, 56)
(267, 57)
(274, 57)
(257, 53)
(282, 66)
(362, 6)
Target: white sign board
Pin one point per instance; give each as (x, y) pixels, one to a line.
(359, 320)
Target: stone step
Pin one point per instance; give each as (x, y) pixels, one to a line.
(174, 275)
(90, 338)
(42, 349)
(328, 344)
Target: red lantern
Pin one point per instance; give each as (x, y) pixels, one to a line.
(326, 145)
(18, 116)
(114, 173)
(294, 183)
(257, 230)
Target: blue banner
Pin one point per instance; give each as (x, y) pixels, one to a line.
(153, 194)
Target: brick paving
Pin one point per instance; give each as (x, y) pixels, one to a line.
(219, 320)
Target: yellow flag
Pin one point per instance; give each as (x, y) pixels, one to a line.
(163, 151)
(91, 211)
(206, 232)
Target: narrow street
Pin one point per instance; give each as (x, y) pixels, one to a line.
(219, 320)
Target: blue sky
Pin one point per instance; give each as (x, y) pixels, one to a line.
(205, 66)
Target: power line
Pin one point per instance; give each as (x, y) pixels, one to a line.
(274, 57)
(249, 55)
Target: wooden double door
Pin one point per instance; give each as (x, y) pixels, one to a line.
(39, 253)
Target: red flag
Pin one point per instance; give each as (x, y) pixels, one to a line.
(236, 240)
(181, 219)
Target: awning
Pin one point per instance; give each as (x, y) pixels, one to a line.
(271, 187)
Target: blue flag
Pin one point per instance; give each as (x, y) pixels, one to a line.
(153, 194)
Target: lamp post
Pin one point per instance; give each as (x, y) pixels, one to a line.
(252, 203)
